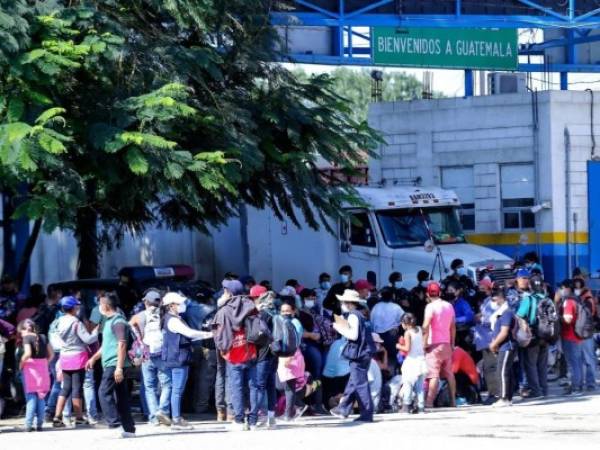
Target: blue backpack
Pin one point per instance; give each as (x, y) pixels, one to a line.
(363, 347)
(285, 337)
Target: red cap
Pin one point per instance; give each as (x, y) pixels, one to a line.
(434, 289)
(363, 284)
(257, 290)
(486, 283)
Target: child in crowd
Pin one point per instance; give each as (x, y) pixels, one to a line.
(414, 366)
(37, 353)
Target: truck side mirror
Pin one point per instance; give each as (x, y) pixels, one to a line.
(346, 247)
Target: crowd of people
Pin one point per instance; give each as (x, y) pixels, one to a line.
(257, 356)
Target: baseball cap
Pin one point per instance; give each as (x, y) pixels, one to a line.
(362, 284)
(287, 291)
(233, 286)
(523, 273)
(257, 291)
(152, 296)
(173, 297)
(68, 303)
(486, 283)
(433, 289)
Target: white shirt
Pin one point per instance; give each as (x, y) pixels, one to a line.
(385, 316)
(178, 326)
(350, 332)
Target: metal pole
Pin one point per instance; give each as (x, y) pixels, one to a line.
(575, 251)
(568, 199)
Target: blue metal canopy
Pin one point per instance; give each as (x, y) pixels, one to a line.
(351, 44)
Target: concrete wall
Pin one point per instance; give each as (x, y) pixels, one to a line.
(423, 136)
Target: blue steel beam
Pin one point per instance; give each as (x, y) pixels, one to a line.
(368, 8)
(366, 61)
(433, 20)
(544, 9)
(531, 48)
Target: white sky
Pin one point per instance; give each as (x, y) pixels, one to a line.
(451, 82)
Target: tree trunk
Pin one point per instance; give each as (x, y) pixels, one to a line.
(27, 251)
(86, 234)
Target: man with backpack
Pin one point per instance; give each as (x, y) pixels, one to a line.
(535, 355)
(231, 340)
(572, 344)
(358, 350)
(157, 384)
(113, 392)
(590, 360)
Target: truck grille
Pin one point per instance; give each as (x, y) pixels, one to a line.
(499, 274)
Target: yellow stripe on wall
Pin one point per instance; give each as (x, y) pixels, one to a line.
(558, 237)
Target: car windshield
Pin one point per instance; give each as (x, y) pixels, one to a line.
(407, 227)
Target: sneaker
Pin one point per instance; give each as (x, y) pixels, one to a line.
(163, 419)
(81, 421)
(337, 412)
(320, 411)
(363, 420)
(69, 423)
(490, 400)
(91, 421)
(57, 422)
(254, 428)
(235, 426)
(577, 393)
(420, 410)
(300, 411)
(405, 409)
(568, 390)
(181, 424)
(27, 429)
(127, 435)
(271, 423)
(562, 382)
(502, 403)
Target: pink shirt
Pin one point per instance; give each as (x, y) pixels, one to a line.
(441, 314)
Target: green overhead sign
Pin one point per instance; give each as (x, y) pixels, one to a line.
(446, 48)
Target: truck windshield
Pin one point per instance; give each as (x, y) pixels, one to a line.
(406, 227)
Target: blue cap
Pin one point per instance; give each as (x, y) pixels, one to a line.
(523, 273)
(233, 286)
(68, 303)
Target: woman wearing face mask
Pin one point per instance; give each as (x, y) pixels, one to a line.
(323, 289)
(176, 352)
(74, 354)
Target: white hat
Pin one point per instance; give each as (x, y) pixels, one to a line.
(287, 291)
(350, 296)
(173, 297)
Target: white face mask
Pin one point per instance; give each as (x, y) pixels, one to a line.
(345, 308)
(398, 284)
(577, 292)
(181, 309)
(461, 271)
(424, 283)
(309, 304)
(562, 292)
(494, 306)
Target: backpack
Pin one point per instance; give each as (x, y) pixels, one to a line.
(153, 335)
(257, 330)
(584, 322)
(285, 337)
(364, 346)
(521, 332)
(548, 321)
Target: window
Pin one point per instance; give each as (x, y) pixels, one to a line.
(461, 181)
(517, 186)
(361, 232)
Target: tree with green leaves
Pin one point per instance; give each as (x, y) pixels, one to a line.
(117, 115)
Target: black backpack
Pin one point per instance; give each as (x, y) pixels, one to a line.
(257, 330)
(548, 321)
(584, 322)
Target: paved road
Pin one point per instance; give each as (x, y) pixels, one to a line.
(555, 423)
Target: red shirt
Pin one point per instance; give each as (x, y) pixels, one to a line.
(241, 350)
(567, 331)
(462, 362)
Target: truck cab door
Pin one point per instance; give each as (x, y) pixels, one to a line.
(358, 243)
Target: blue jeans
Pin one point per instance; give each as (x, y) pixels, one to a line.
(590, 362)
(240, 377)
(52, 396)
(178, 377)
(157, 387)
(222, 395)
(417, 388)
(358, 389)
(314, 360)
(35, 407)
(574, 355)
(89, 394)
(265, 383)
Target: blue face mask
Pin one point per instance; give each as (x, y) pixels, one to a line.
(461, 271)
(344, 278)
(325, 285)
(398, 284)
(287, 316)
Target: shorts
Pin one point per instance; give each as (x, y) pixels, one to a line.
(439, 361)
